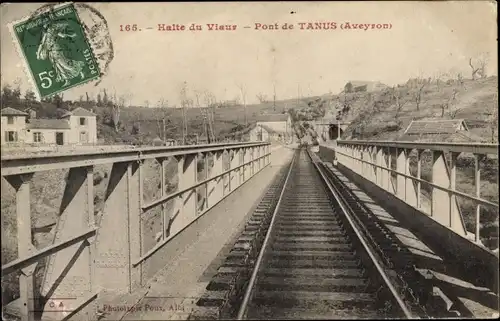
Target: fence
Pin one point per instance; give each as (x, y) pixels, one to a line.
(87, 258)
(387, 164)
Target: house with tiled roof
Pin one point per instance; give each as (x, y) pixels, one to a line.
(442, 130)
(76, 127)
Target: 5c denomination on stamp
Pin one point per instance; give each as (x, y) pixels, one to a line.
(55, 50)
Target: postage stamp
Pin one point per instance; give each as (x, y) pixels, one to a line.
(55, 50)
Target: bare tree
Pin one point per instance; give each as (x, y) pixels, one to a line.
(474, 69)
(184, 105)
(493, 119)
(478, 68)
(262, 98)
(419, 92)
(243, 98)
(448, 103)
(439, 79)
(160, 117)
(211, 102)
(460, 79)
(399, 98)
(206, 131)
(162, 103)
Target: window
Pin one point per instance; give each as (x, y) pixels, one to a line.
(37, 137)
(10, 120)
(82, 121)
(83, 137)
(11, 137)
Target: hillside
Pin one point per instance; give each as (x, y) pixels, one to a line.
(380, 116)
(384, 115)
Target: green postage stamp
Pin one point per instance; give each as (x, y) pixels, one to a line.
(55, 50)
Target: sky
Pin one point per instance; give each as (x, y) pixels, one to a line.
(426, 38)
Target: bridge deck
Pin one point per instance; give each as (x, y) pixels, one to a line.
(480, 301)
(175, 289)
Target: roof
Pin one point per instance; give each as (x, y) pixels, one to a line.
(448, 126)
(48, 124)
(78, 112)
(458, 137)
(272, 118)
(268, 129)
(12, 112)
(472, 137)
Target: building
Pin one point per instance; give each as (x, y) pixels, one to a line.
(272, 127)
(281, 123)
(261, 133)
(447, 130)
(77, 127)
(363, 86)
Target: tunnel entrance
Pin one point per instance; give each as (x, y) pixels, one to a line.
(335, 132)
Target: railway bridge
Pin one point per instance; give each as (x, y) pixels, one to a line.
(358, 229)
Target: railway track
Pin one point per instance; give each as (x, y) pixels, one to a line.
(305, 254)
(311, 265)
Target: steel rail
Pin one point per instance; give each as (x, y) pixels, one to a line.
(253, 278)
(379, 268)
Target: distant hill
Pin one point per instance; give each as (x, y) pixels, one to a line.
(385, 114)
(375, 112)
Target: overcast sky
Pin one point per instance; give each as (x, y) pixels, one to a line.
(425, 38)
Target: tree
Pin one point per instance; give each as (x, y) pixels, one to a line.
(262, 98)
(493, 119)
(244, 99)
(162, 103)
(29, 95)
(480, 68)
(105, 98)
(184, 105)
(29, 98)
(460, 79)
(209, 112)
(448, 103)
(6, 95)
(399, 99)
(116, 109)
(58, 100)
(419, 92)
(99, 100)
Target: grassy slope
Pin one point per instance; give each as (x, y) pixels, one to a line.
(473, 102)
(227, 120)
